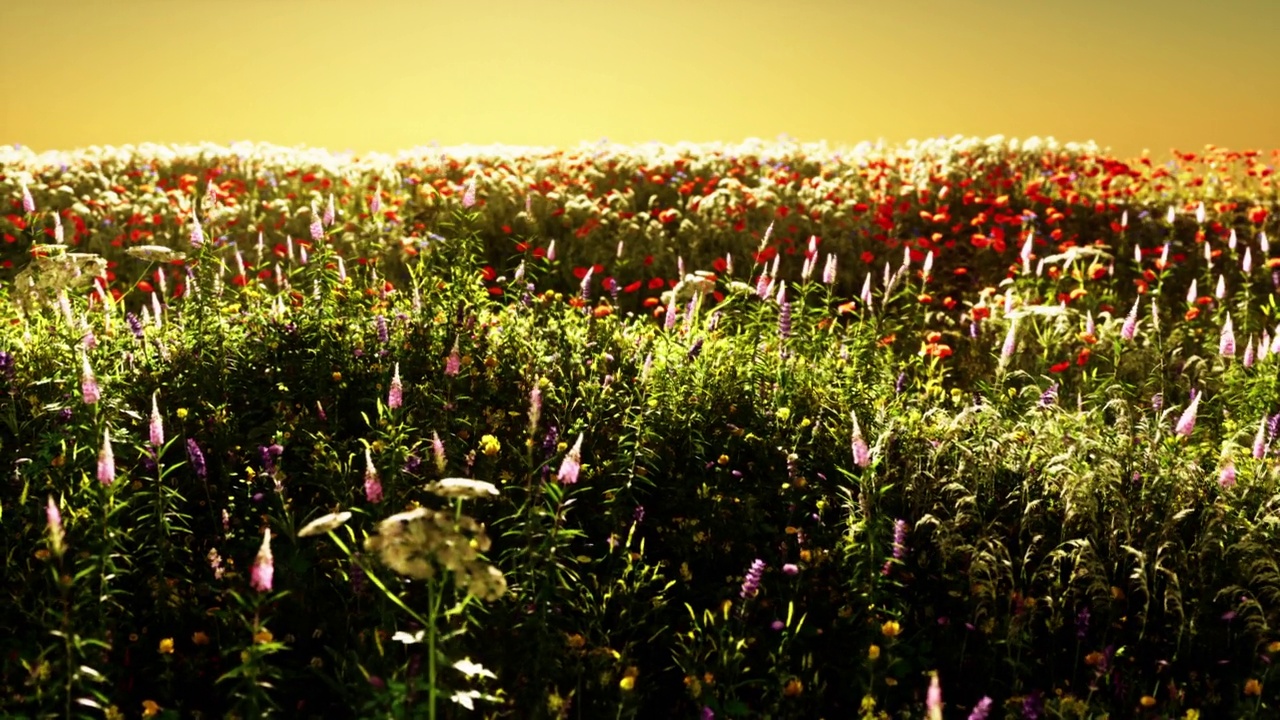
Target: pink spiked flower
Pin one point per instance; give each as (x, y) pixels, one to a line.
(829, 270)
(197, 232)
(551, 252)
(157, 426)
(1249, 354)
(395, 396)
(89, 384)
(1130, 323)
(437, 449)
(28, 204)
(1260, 440)
(372, 485)
(106, 460)
(933, 701)
(54, 520)
(572, 464)
(1227, 343)
(329, 212)
(264, 566)
(469, 194)
(1187, 423)
(861, 453)
(454, 361)
(1227, 475)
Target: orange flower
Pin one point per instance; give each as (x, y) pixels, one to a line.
(1192, 314)
(1083, 357)
(924, 298)
(933, 337)
(602, 311)
(846, 308)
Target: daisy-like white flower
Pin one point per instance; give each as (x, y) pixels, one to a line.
(153, 253)
(462, 488)
(324, 524)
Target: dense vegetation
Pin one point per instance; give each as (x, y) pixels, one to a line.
(978, 428)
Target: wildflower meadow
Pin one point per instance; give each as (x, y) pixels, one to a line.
(955, 429)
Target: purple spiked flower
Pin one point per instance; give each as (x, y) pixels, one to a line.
(380, 324)
(572, 464)
(317, 227)
(1010, 343)
(829, 270)
(981, 710)
(28, 204)
(196, 457)
(751, 583)
(264, 566)
(106, 461)
(329, 213)
(784, 318)
(1260, 440)
(899, 539)
(1227, 342)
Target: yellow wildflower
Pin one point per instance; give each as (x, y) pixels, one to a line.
(150, 708)
(199, 637)
(891, 629)
(262, 636)
(1253, 687)
(489, 445)
(166, 646)
(1147, 701)
(873, 652)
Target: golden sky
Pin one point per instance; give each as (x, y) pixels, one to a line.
(392, 74)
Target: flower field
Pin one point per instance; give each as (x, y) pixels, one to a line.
(962, 428)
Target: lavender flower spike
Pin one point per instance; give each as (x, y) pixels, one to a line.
(981, 710)
(28, 204)
(861, 453)
(1260, 440)
(751, 583)
(372, 485)
(1227, 342)
(933, 701)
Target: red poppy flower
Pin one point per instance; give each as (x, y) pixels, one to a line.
(145, 286)
(1060, 367)
(632, 287)
(655, 283)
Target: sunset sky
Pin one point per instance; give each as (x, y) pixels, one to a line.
(393, 74)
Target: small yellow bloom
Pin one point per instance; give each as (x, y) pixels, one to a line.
(182, 413)
(1252, 687)
(1274, 646)
(708, 678)
(489, 445)
(166, 646)
(262, 636)
(1192, 714)
(627, 683)
(873, 652)
(575, 641)
(337, 377)
(199, 638)
(1147, 701)
(150, 708)
(723, 460)
(891, 629)
(784, 414)
(113, 713)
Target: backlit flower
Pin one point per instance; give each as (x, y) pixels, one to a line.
(395, 396)
(751, 583)
(572, 464)
(156, 427)
(372, 485)
(1187, 423)
(260, 578)
(88, 383)
(106, 461)
(324, 524)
